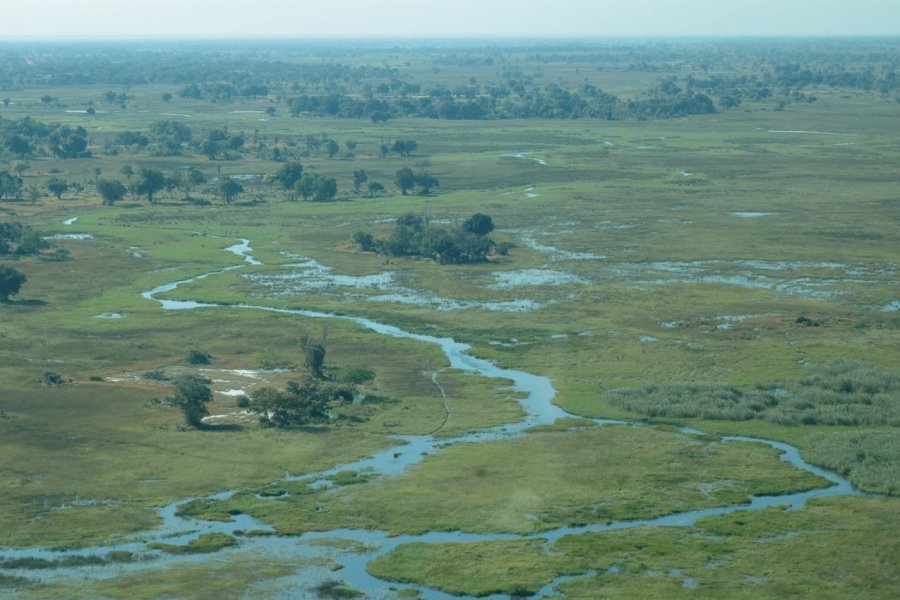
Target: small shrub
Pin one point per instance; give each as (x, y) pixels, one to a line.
(52, 378)
(335, 589)
(198, 357)
(156, 375)
(357, 375)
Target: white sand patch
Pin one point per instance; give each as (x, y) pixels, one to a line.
(750, 214)
(69, 236)
(532, 277)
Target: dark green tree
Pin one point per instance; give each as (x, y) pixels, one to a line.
(479, 224)
(11, 282)
(306, 185)
(10, 185)
(405, 180)
(426, 181)
(314, 354)
(229, 189)
(192, 396)
(374, 188)
(110, 190)
(326, 189)
(404, 147)
(359, 178)
(57, 187)
(288, 174)
(331, 148)
(149, 182)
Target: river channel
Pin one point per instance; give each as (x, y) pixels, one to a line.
(537, 394)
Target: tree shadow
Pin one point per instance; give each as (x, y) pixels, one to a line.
(25, 302)
(224, 427)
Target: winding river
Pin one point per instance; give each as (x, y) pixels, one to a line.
(537, 395)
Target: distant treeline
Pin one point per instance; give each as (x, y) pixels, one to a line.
(488, 82)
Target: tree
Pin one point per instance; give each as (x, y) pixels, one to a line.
(18, 145)
(331, 148)
(10, 185)
(149, 182)
(374, 188)
(326, 189)
(192, 396)
(479, 224)
(288, 174)
(314, 354)
(426, 181)
(111, 190)
(300, 404)
(404, 147)
(405, 180)
(359, 178)
(57, 187)
(10, 282)
(306, 185)
(228, 188)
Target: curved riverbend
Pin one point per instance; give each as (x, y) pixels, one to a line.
(537, 395)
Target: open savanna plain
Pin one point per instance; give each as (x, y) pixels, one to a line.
(727, 274)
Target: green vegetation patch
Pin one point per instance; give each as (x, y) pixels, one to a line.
(835, 548)
(250, 574)
(519, 567)
(538, 482)
(843, 393)
(203, 544)
(871, 459)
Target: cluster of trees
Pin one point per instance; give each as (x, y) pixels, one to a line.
(421, 183)
(10, 186)
(414, 236)
(22, 138)
(309, 402)
(20, 240)
(293, 178)
(336, 85)
(316, 397)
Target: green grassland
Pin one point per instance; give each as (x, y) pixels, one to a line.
(666, 252)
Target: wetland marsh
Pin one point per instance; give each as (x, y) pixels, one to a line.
(678, 379)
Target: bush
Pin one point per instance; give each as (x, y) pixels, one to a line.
(357, 375)
(51, 378)
(197, 357)
(156, 375)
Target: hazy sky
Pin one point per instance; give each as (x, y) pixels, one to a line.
(446, 18)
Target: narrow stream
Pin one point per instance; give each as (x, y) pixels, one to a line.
(537, 403)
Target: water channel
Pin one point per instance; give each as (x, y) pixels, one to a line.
(537, 395)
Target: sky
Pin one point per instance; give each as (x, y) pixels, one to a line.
(445, 18)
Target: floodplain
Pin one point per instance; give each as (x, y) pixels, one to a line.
(680, 303)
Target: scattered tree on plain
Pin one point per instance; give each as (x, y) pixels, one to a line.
(11, 282)
(110, 190)
(405, 180)
(229, 189)
(149, 182)
(57, 187)
(192, 396)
